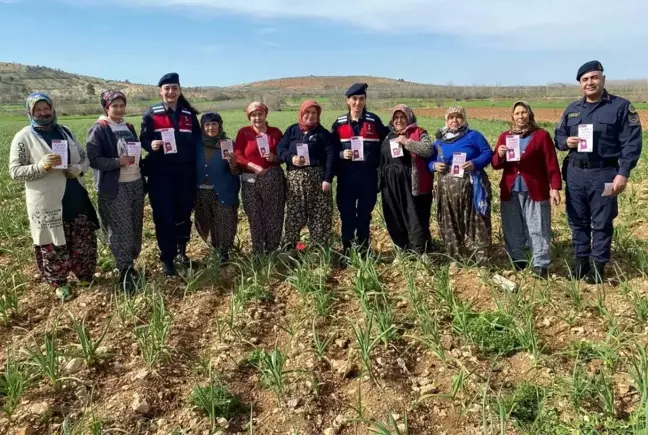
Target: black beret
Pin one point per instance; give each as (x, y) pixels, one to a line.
(357, 89)
(592, 65)
(170, 78)
(211, 117)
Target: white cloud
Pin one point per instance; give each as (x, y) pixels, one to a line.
(515, 24)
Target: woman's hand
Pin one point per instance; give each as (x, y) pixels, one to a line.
(258, 170)
(48, 161)
(156, 144)
(231, 159)
(298, 161)
(555, 197)
(501, 151)
(348, 154)
(440, 167)
(402, 139)
(468, 166)
(272, 158)
(124, 161)
(326, 186)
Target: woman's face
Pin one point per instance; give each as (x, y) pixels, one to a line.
(170, 93)
(212, 129)
(520, 116)
(42, 110)
(399, 120)
(455, 120)
(356, 103)
(117, 109)
(310, 115)
(258, 118)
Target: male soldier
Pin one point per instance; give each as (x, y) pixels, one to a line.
(612, 124)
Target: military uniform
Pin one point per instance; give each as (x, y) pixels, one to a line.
(615, 151)
(357, 181)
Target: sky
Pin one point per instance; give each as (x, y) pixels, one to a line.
(228, 42)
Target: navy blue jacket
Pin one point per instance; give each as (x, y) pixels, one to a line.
(371, 147)
(226, 184)
(321, 148)
(617, 131)
(101, 147)
(187, 132)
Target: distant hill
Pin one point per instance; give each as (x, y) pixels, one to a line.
(19, 80)
(309, 83)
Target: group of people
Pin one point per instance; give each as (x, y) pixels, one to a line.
(193, 166)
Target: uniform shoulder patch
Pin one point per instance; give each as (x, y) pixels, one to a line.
(342, 119)
(573, 114)
(158, 108)
(370, 118)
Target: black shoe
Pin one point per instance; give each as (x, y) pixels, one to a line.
(182, 254)
(540, 272)
(169, 268)
(520, 265)
(596, 274)
(224, 257)
(579, 270)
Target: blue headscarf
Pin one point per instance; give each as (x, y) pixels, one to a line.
(44, 123)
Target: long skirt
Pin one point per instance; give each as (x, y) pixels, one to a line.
(216, 223)
(122, 219)
(407, 217)
(263, 202)
(307, 205)
(78, 255)
(466, 233)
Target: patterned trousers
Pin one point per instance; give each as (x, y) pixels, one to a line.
(263, 202)
(465, 232)
(216, 223)
(78, 255)
(307, 205)
(527, 223)
(121, 219)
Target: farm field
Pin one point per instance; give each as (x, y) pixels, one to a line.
(391, 345)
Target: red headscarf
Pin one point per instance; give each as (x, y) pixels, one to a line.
(302, 109)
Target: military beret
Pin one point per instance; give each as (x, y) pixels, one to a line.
(169, 78)
(357, 89)
(592, 65)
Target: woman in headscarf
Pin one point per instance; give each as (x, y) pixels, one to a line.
(405, 182)
(264, 182)
(531, 183)
(463, 189)
(218, 184)
(309, 152)
(170, 130)
(114, 154)
(62, 219)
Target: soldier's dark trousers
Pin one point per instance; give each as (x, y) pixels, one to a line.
(356, 197)
(172, 191)
(590, 215)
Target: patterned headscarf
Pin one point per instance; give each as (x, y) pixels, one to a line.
(256, 105)
(448, 134)
(531, 125)
(411, 118)
(45, 123)
(302, 109)
(107, 98)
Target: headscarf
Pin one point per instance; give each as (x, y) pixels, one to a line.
(107, 98)
(411, 118)
(448, 134)
(531, 125)
(41, 123)
(302, 109)
(208, 141)
(256, 105)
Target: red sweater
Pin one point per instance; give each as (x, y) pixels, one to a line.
(246, 151)
(538, 167)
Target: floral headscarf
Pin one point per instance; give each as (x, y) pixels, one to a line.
(448, 134)
(45, 123)
(256, 105)
(411, 118)
(531, 125)
(302, 109)
(107, 98)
